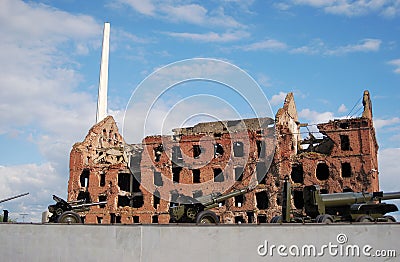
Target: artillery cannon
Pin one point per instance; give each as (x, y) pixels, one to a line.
(66, 212)
(196, 210)
(338, 207)
(348, 206)
(5, 216)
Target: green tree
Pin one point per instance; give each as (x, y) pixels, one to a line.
(9, 219)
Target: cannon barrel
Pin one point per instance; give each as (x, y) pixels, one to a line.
(78, 206)
(390, 195)
(349, 198)
(212, 200)
(11, 198)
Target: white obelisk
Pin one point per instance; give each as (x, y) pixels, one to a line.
(103, 82)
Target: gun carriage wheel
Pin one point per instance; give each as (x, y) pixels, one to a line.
(207, 217)
(276, 219)
(325, 218)
(365, 219)
(70, 217)
(390, 219)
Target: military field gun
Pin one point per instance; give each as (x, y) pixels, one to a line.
(338, 207)
(196, 210)
(5, 216)
(66, 212)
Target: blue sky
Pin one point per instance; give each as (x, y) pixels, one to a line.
(326, 52)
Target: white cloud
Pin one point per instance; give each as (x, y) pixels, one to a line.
(43, 24)
(199, 15)
(269, 44)
(242, 5)
(387, 8)
(264, 80)
(278, 99)
(314, 117)
(380, 123)
(317, 46)
(342, 108)
(192, 13)
(123, 35)
(281, 6)
(145, 7)
(365, 45)
(396, 64)
(211, 36)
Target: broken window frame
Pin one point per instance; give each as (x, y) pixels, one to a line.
(323, 174)
(346, 170)
(135, 219)
(156, 199)
(261, 172)
(239, 171)
(157, 178)
(84, 195)
(196, 176)
(84, 178)
(197, 151)
(218, 175)
(238, 149)
(124, 181)
(250, 217)
(123, 201)
(262, 200)
(102, 198)
(176, 171)
(345, 143)
(239, 200)
(297, 173)
(102, 182)
(218, 150)
(239, 220)
(176, 155)
(158, 150)
(260, 148)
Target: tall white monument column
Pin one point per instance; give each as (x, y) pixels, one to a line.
(103, 82)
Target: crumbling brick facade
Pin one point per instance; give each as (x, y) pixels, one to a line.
(139, 182)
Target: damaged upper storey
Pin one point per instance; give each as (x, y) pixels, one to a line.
(327, 136)
(223, 127)
(338, 155)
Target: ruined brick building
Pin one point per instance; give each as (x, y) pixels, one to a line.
(139, 182)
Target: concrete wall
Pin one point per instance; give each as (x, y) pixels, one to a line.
(52, 242)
